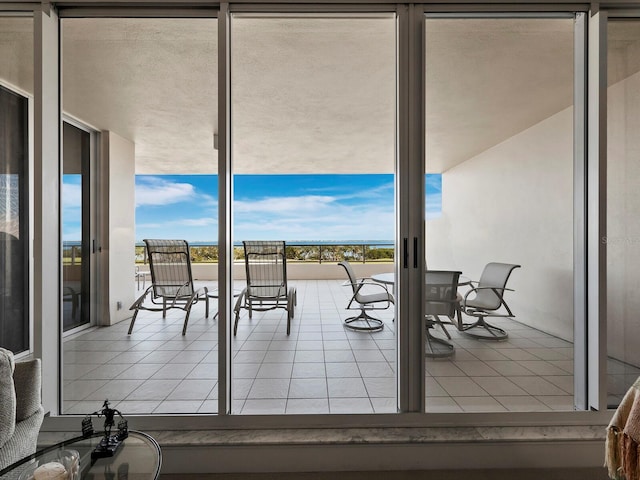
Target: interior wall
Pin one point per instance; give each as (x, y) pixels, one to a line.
(119, 162)
(623, 228)
(513, 203)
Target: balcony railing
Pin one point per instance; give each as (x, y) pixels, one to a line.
(331, 252)
(71, 253)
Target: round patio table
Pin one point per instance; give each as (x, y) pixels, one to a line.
(431, 351)
(389, 278)
(138, 457)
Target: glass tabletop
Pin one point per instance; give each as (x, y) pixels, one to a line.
(390, 279)
(139, 457)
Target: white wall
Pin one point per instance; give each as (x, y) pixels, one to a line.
(295, 271)
(118, 241)
(513, 203)
(623, 226)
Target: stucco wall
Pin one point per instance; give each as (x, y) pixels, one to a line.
(120, 160)
(295, 271)
(513, 203)
(623, 225)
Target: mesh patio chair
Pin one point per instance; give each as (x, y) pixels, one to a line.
(487, 302)
(441, 299)
(267, 289)
(381, 299)
(171, 281)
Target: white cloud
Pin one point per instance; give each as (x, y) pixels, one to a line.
(333, 221)
(71, 195)
(381, 191)
(281, 205)
(205, 200)
(198, 222)
(156, 191)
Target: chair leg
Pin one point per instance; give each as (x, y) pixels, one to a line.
(446, 349)
(291, 301)
(236, 309)
(431, 349)
(364, 323)
(484, 331)
(235, 324)
(435, 320)
(133, 321)
(186, 322)
(74, 305)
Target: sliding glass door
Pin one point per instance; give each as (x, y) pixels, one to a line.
(14, 245)
(76, 226)
(148, 86)
(499, 182)
(313, 121)
(623, 204)
(16, 80)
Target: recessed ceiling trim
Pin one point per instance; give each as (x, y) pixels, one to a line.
(138, 12)
(317, 10)
(520, 8)
(313, 15)
(500, 15)
(16, 9)
(624, 14)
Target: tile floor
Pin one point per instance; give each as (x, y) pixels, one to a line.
(319, 368)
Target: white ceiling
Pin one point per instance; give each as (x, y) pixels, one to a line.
(490, 79)
(151, 81)
(308, 95)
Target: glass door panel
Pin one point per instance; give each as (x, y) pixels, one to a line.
(623, 203)
(313, 119)
(16, 80)
(149, 86)
(499, 210)
(76, 238)
(14, 245)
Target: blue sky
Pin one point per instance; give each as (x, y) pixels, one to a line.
(289, 207)
(72, 207)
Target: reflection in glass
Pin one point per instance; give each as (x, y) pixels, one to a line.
(16, 84)
(75, 250)
(14, 311)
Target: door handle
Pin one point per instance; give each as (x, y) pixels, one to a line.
(415, 252)
(405, 253)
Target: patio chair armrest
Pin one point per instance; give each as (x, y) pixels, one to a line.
(495, 289)
(184, 285)
(138, 303)
(238, 305)
(366, 281)
(202, 291)
(361, 282)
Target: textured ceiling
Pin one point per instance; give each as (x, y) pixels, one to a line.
(308, 95)
(489, 79)
(152, 81)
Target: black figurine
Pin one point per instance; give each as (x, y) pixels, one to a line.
(109, 443)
